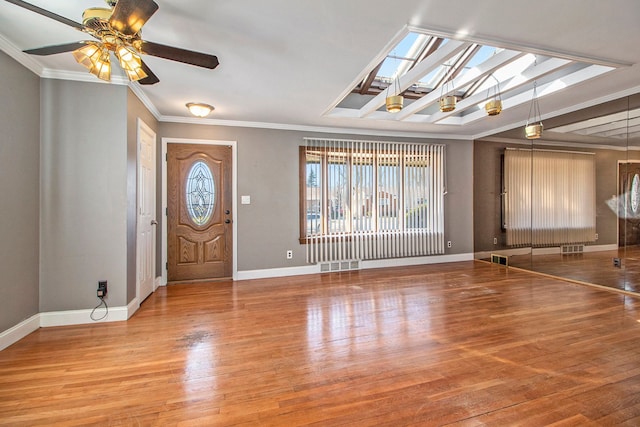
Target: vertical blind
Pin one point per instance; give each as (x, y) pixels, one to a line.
(549, 197)
(372, 200)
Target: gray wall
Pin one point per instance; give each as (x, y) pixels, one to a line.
(83, 203)
(268, 172)
(19, 192)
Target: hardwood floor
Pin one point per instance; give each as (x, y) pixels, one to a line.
(463, 344)
(590, 267)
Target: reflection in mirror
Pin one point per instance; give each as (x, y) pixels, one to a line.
(575, 189)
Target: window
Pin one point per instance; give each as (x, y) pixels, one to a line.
(200, 193)
(549, 197)
(371, 200)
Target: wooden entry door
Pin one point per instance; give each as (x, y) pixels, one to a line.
(199, 229)
(628, 204)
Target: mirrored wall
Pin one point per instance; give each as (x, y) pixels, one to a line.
(567, 204)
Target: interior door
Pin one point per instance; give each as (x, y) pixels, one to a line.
(146, 222)
(199, 229)
(629, 204)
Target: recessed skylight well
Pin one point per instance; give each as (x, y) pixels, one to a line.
(422, 62)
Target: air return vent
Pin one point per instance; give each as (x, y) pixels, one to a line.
(353, 264)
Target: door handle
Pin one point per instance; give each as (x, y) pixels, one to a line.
(154, 222)
(227, 221)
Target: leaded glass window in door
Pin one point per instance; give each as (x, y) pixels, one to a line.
(200, 193)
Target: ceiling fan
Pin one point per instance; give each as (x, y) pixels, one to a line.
(117, 29)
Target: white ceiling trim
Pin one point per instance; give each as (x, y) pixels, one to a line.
(540, 50)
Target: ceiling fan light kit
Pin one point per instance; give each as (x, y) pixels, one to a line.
(117, 31)
(199, 109)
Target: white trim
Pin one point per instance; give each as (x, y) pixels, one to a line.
(132, 307)
(278, 272)
(309, 128)
(401, 262)
(141, 128)
(541, 251)
(82, 317)
(234, 196)
(382, 263)
(19, 331)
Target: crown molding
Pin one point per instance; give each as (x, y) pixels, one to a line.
(309, 128)
(21, 57)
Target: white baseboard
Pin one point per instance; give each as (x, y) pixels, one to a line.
(19, 331)
(542, 251)
(80, 317)
(402, 262)
(315, 268)
(278, 272)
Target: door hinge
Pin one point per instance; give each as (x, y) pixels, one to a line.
(166, 157)
(166, 211)
(166, 265)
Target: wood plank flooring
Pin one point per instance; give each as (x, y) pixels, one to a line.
(463, 344)
(590, 267)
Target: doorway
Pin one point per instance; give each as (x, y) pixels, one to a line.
(628, 204)
(199, 195)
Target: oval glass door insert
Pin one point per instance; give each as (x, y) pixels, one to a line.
(200, 193)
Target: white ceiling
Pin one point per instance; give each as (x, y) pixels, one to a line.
(286, 63)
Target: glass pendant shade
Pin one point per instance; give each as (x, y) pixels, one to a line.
(87, 54)
(102, 68)
(130, 63)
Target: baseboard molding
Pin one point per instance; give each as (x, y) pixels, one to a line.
(19, 331)
(278, 272)
(80, 317)
(541, 251)
(315, 268)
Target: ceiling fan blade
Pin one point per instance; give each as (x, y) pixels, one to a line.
(46, 13)
(181, 55)
(129, 16)
(52, 50)
(151, 78)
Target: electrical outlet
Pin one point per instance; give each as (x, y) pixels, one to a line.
(596, 236)
(102, 289)
(289, 254)
(495, 240)
(449, 244)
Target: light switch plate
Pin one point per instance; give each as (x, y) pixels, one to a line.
(245, 200)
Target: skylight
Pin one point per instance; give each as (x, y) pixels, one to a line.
(473, 71)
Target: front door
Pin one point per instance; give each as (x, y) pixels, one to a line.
(199, 229)
(629, 204)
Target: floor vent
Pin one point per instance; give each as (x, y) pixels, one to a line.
(500, 259)
(571, 249)
(339, 265)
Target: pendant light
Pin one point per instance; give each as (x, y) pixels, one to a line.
(395, 102)
(533, 128)
(447, 98)
(493, 107)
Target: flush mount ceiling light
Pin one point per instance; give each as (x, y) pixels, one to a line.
(199, 109)
(533, 128)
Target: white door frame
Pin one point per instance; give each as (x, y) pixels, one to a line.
(143, 128)
(234, 197)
